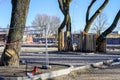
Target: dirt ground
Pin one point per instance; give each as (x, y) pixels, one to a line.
(22, 70)
(110, 73)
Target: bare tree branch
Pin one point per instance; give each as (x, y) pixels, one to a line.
(88, 10)
(90, 21)
(61, 6)
(100, 23)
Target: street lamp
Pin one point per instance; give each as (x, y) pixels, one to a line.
(46, 66)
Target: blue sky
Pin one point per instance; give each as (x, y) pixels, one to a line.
(50, 7)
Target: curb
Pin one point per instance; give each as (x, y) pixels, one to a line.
(97, 65)
(70, 69)
(43, 76)
(52, 74)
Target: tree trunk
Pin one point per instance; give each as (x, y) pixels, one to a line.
(101, 47)
(10, 56)
(61, 35)
(64, 7)
(68, 33)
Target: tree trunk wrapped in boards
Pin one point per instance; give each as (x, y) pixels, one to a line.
(10, 56)
(64, 7)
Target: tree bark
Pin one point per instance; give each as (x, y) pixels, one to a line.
(61, 41)
(68, 33)
(10, 56)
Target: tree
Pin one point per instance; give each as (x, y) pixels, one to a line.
(102, 37)
(89, 21)
(40, 23)
(50, 22)
(64, 7)
(54, 24)
(100, 23)
(10, 56)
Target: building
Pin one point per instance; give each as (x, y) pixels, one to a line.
(114, 38)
